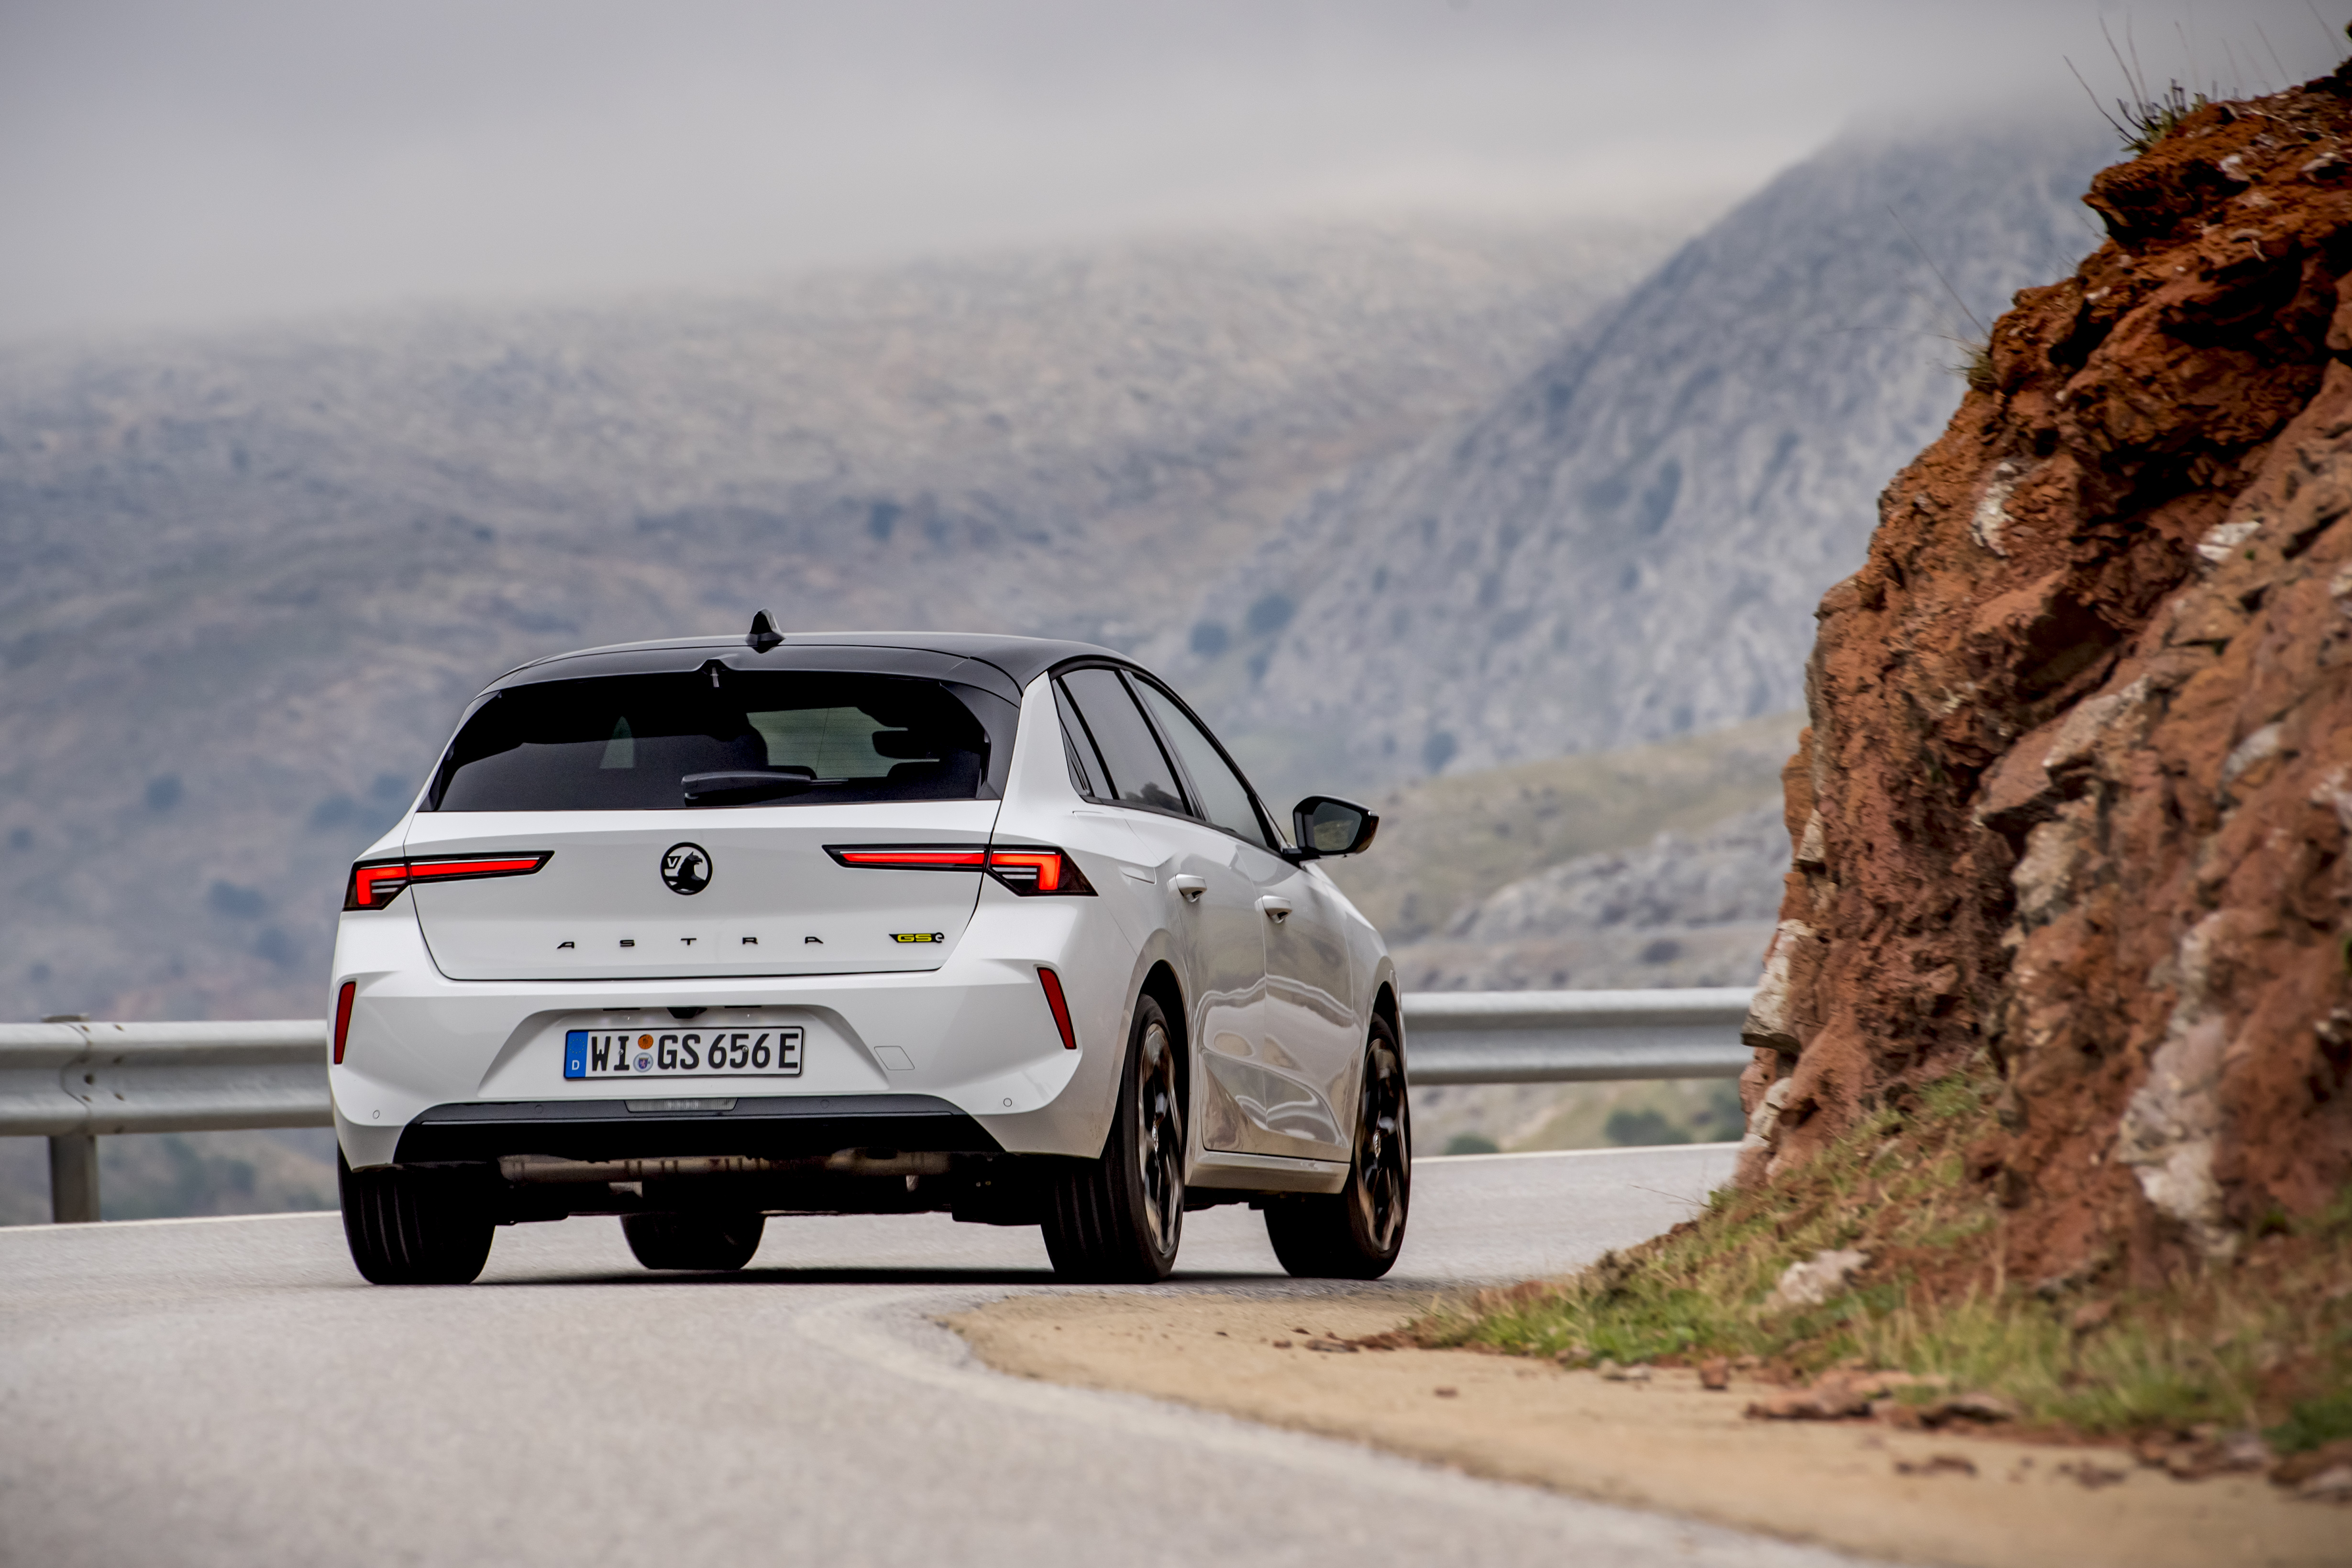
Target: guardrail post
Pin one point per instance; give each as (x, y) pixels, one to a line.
(73, 1178)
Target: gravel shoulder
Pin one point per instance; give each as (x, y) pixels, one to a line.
(1664, 1444)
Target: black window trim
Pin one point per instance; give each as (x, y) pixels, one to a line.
(1065, 712)
(1182, 774)
(1175, 769)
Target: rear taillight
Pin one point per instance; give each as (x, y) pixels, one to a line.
(375, 883)
(1025, 870)
(343, 1017)
(1060, 1005)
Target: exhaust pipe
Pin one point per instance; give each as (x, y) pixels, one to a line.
(887, 1162)
(544, 1168)
(538, 1169)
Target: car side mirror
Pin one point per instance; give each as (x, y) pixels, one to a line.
(1325, 825)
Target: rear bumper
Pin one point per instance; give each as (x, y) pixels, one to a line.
(770, 1127)
(965, 1057)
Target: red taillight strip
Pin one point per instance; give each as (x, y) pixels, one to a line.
(375, 883)
(1026, 871)
(504, 865)
(1061, 1006)
(910, 856)
(343, 1017)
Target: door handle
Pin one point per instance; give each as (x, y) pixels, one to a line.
(1276, 909)
(1191, 887)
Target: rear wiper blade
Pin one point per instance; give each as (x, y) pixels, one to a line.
(739, 788)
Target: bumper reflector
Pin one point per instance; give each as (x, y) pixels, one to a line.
(343, 1017)
(1061, 1006)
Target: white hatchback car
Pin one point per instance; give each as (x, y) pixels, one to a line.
(703, 930)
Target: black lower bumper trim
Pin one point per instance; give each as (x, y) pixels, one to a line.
(777, 1127)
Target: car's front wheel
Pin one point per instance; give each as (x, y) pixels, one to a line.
(1357, 1232)
(1118, 1220)
(414, 1228)
(712, 1243)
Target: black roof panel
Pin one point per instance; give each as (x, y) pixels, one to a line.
(1019, 659)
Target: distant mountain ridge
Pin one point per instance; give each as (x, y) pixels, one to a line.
(1629, 544)
(247, 581)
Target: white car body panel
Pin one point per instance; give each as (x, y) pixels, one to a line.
(778, 904)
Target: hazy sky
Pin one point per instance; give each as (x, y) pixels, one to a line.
(186, 162)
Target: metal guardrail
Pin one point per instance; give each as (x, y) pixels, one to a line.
(1574, 1037)
(73, 1083)
(60, 1079)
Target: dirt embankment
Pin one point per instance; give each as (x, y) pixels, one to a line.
(1653, 1440)
(2077, 790)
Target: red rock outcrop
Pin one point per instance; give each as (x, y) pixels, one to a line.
(2077, 790)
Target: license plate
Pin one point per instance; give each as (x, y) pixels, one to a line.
(682, 1053)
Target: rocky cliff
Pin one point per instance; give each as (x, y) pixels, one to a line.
(2076, 799)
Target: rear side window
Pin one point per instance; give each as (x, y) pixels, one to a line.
(1086, 767)
(1125, 750)
(656, 742)
(1224, 798)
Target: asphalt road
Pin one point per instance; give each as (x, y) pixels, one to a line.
(228, 1392)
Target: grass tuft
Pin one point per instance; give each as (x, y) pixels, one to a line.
(1975, 367)
(2312, 1422)
(2143, 116)
(2146, 118)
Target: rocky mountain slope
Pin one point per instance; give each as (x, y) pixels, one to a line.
(1517, 877)
(1687, 908)
(1683, 910)
(246, 579)
(1628, 546)
(1447, 844)
(2075, 804)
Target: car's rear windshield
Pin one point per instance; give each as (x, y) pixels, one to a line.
(710, 739)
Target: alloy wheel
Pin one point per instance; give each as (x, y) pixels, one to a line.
(1383, 1148)
(1159, 1137)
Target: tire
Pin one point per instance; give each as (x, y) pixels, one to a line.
(415, 1228)
(1119, 1220)
(708, 1243)
(1357, 1232)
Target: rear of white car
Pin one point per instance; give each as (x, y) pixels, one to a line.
(696, 932)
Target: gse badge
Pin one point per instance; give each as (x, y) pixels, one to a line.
(686, 868)
(919, 936)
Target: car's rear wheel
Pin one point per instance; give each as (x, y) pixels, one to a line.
(1118, 1220)
(706, 1242)
(1357, 1232)
(414, 1228)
